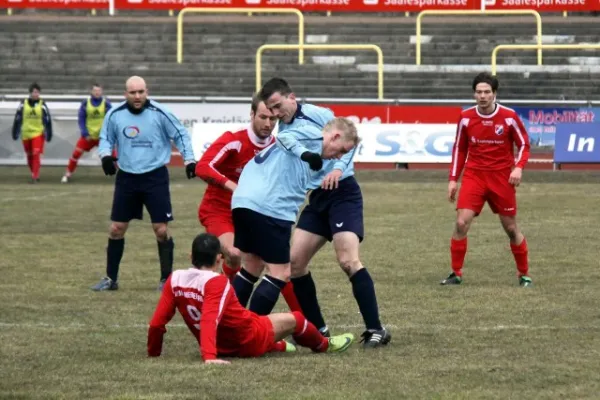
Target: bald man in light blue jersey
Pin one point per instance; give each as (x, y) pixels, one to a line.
(265, 204)
(334, 213)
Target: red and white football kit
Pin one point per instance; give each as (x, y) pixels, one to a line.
(484, 146)
(223, 161)
(212, 312)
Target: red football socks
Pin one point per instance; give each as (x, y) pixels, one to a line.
(458, 250)
(73, 161)
(290, 297)
(520, 253)
(307, 335)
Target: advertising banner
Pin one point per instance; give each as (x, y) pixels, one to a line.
(542, 122)
(385, 143)
(355, 6)
(543, 5)
(306, 5)
(577, 143)
(396, 114)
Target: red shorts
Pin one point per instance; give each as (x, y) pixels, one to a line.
(477, 187)
(87, 145)
(263, 338)
(34, 146)
(216, 222)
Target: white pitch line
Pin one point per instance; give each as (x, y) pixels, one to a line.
(74, 326)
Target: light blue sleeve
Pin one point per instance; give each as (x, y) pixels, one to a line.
(108, 136)
(177, 132)
(294, 140)
(345, 161)
(325, 115)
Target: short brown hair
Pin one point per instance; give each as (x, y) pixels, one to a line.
(347, 127)
(256, 100)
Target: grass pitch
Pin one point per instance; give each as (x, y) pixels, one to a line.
(487, 338)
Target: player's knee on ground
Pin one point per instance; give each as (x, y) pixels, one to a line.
(161, 232)
(117, 230)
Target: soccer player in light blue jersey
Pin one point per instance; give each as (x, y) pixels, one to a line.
(142, 130)
(334, 213)
(265, 205)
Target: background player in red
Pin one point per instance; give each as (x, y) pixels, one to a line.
(218, 321)
(487, 134)
(220, 166)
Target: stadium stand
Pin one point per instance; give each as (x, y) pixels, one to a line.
(66, 53)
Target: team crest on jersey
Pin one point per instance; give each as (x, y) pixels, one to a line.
(499, 129)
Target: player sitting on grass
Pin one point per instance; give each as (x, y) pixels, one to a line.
(217, 320)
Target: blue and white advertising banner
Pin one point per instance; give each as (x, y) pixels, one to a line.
(577, 143)
(542, 123)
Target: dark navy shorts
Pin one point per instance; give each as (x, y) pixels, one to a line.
(134, 191)
(258, 234)
(331, 211)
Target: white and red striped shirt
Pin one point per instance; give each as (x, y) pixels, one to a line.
(210, 309)
(223, 161)
(487, 142)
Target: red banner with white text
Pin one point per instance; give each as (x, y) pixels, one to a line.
(316, 5)
(396, 114)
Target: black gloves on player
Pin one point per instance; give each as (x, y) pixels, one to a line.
(108, 165)
(314, 160)
(190, 170)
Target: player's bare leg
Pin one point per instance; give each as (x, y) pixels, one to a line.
(165, 251)
(243, 283)
(518, 246)
(114, 253)
(458, 245)
(233, 256)
(306, 334)
(304, 247)
(267, 292)
(346, 245)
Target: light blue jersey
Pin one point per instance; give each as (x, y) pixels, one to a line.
(309, 114)
(143, 140)
(275, 182)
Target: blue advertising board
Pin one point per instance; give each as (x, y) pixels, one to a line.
(577, 143)
(542, 123)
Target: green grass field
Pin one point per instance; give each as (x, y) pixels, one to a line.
(485, 339)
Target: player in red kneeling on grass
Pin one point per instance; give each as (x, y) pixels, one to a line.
(223, 328)
(220, 166)
(486, 136)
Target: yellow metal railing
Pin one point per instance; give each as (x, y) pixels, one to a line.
(373, 47)
(215, 10)
(536, 14)
(539, 47)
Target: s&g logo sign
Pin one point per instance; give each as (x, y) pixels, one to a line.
(437, 144)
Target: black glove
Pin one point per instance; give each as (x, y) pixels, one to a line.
(314, 160)
(108, 165)
(190, 170)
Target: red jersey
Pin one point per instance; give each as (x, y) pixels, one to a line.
(223, 161)
(488, 141)
(210, 309)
